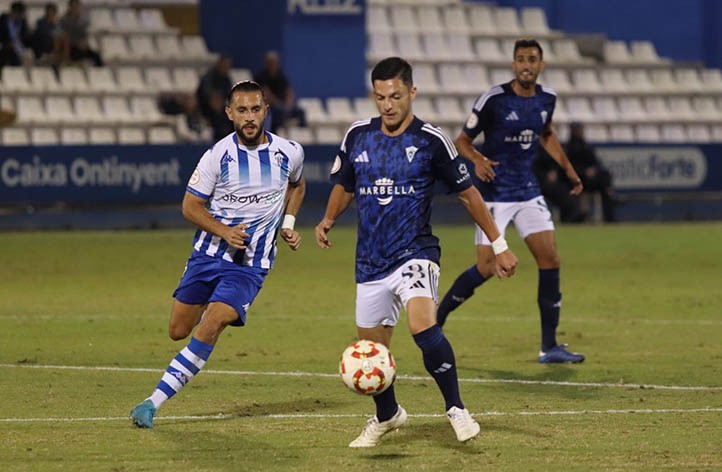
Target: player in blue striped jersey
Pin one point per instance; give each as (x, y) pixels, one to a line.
(516, 118)
(390, 163)
(237, 197)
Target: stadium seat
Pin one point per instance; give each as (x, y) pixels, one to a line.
(648, 133)
(158, 79)
(102, 80)
(403, 19)
(126, 20)
(579, 109)
(567, 51)
(681, 108)
(605, 108)
(44, 137)
(59, 110)
(32, 13)
(328, 135)
(131, 136)
(380, 46)
(73, 136)
(364, 107)
(478, 78)
(639, 81)
(15, 79)
(586, 80)
(145, 109)
(315, 112)
(151, 20)
(88, 109)
(455, 19)
(689, 79)
(506, 20)
(114, 48)
(534, 22)
(161, 135)
(488, 50)
(500, 76)
(558, 79)
(409, 46)
(169, 48)
(506, 45)
(657, 109)
(340, 110)
(101, 20)
(72, 79)
(425, 79)
(185, 79)
(706, 108)
(142, 47)
(449, 109)
(644, 52)
(194, 47)
(303, 136)
(30, 110)
(130, 79)
(101, 136)
(435, 47)
(377, 20)
(460, 47)
(631, 109)
(452, 80)
(548, 52)
(596, 133)
(698, 133)
(44, 80)
(712, 80)
(673, 133)
(716, 133)
(621, 133)
(15, 137)
(560, 116)
(613, 81)
(429, 19)
(481, 18)
(117, 111)
(616, 52)
(424, 109)
(663, 81)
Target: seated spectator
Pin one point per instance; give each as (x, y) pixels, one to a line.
(74, 25)
(279, 94)
(216, 80)
(192, 125)
(14, 35)
(593, 174)
(46, 37)
(218, 119)
(555, 188)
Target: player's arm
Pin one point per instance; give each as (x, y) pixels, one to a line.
(294, 197)
(551, 144)
(505, 259)
(338, 202)
(194, 210)
(483, 166)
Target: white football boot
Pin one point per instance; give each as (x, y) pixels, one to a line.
(374, 430)
(464, 425)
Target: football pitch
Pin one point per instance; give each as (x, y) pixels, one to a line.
(83, 338)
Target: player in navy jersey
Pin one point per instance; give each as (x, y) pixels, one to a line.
(515, 118)
(390, 163)
(237, 197)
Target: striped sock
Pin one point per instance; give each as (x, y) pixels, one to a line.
(182, 368)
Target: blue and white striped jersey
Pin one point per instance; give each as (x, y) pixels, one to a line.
(511, 125)
(246, 185)
(392, 178)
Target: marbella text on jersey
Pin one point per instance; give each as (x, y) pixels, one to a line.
(385, 188)
(108, 172)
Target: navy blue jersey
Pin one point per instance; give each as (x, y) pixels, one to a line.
(393, 181)
(511, 125)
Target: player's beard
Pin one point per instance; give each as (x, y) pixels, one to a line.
(254, 140)
(526, 83)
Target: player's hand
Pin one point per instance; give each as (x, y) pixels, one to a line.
(322, 230)
(484, 168)
(236, 236)
(577, 187)
(292, 238)
(505, 264)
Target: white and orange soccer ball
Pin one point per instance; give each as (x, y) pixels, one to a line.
(367, 368)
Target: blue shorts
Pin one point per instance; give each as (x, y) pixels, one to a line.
(211, 279)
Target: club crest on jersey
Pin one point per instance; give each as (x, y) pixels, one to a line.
(525, 139)
(411, 152)
(384, 190)
(544, 115)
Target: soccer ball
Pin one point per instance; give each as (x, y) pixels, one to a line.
(367, 368)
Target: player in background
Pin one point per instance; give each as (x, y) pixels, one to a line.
(390, 163)
(237, 197)
(515, 118)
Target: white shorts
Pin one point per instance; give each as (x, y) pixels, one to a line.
(379, 302)
(529, 217)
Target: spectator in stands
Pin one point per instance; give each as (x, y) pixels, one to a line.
(555, 188)
(46, 37)
(14, 35)
(216, 81)
(74, 25)
(595, 177)
(218, 119)
(279, 93)
(192, 125)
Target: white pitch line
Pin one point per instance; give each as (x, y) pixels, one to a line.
(557, 383)
(284, 416)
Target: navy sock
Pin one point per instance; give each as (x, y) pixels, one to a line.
(461, 290)
(440, 363)
(386, 405)
(550, 301)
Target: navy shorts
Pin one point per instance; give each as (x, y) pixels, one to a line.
(211, 279)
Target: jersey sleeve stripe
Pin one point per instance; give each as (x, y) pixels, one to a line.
(195, 192)
(483, 98)
(549, 90)
(448, 144)
(353, 126)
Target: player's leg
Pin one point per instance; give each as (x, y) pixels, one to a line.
(377, 312)
(466, 283)
(417, 289)
(183, 318)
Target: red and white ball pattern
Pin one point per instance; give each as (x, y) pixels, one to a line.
(367, 367)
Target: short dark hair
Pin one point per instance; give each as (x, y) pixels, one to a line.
(528, 43)
(393, 68)
(17, 7)
(245, 86)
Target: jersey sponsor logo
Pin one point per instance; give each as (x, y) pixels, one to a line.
(472, 121)
(525, 139)
(363, 157)
(512, 116)
(384, 190)
(266, 199)
(336, 165)
(411, 152)
(226, 159)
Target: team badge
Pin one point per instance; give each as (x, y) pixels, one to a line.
(195, 178)
(472, 121)
(544, 115)
(336, 165)
(411, 152)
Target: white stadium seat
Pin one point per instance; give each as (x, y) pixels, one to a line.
(455, 19)
(380, 45)
(15, 137)
(44, 80)
(621, 133)
(131, 136)
(340, 110)
(130, 79)
(114, 48)
(429, 19)
(101, 136)
(30, 110)
(534, 21)
(613, 81)
(673, 133)
(158, 79)
(630, 109)
(481, 18)
(88, 109)
(73, 79)
(161, 135)
(60, 110)
(15, 79)
(44, 137)
(364, 107)
(698, 133)
(506, 20)
(449, 109)
(377, 20)
(648, 133)
(315, 111)
(644, 52)
(302, 136)
(151, 20)
(403, 19)
(409, 46)
(117, 111)
(489, 50)
(328, 135)
(102, 80)
(605, 108)
(558, 79)
(616, 52)
(425, 79)
(73, 136)
(586, 80)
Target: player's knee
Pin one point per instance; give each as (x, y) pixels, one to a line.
(178, 332)
(485, 267)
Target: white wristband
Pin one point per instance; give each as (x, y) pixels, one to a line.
(499, 245)
(288, 222)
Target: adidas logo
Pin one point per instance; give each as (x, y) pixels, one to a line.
(444, 367)
(418, 284)
(363, 157)
(512, 116)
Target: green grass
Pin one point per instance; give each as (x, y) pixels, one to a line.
(643, 302)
